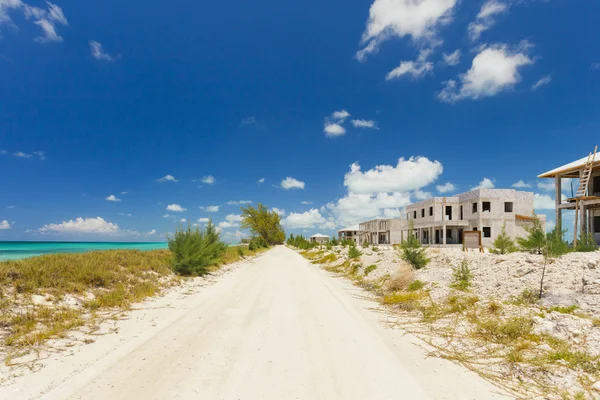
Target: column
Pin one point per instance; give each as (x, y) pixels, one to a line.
(558, 199)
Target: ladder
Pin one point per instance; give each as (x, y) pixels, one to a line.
(584, 179)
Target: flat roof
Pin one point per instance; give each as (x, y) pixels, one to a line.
(352, 228)
(318, 235)
(570, 167)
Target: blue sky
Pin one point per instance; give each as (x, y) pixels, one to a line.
(108, 98)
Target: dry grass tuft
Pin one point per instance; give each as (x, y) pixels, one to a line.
(403, 277)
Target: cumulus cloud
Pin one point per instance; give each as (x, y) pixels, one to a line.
(291, 183)
(308, 219)
(21, 154)
(231, 221)
(521, 184)
(83, 225)
(414, 69)
(240, 202)
(453, 58)
(98, 52)
(167, 178)
(152, 232)
(363, 123)
(234, 218)
(261, 180)
(446, 187)
(494, 70)
(340, 116)
(209, 180)
(486, 18)
(486, 183)
(183, 220)
(543, 202)
(4, 225)
(355, 208)
(227, 224)
(547, 185)
(407, 175)
(542, 82)
(175, 208)
(210, 208)
(204, 220)
(279, 211)
(306, 202)
(418, 19)
(114, 198)
(126, 214)
(333, 129)
(421, 195)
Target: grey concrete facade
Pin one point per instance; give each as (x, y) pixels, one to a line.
(350, 233)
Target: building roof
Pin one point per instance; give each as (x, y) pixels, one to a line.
(569, 168)
(318, 235)
(351, 228)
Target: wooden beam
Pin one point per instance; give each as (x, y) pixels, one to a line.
(575, 228)
(558, 200)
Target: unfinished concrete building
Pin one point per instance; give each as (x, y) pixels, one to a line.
(443, 220)
(350, 233)
(586, 201)
(379, 231)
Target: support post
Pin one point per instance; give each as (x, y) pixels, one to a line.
(444, 222)
(558, 199)
(575, 228)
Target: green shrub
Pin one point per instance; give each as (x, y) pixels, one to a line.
(503, 243)
(240, 251)
(370, 269)
(415, 286)
(555, 245)
(375, 248)
(354, 252)
(264, 224)
(412, 252)
(462, 276)
(587, 243)
(527, 297)
(365, 244)
(195, 250)
(536, 238)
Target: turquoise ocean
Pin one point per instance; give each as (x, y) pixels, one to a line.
(18, 250)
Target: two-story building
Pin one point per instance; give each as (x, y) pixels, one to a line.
(380, 231)
(350, 233)
(443, 220)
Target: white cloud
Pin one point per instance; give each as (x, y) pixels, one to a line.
(333, 129)
(521, 184)
(152, 232)
(4, 225)
(227, 224)
(261, 180)
(486, 183)
(453, 58)
(20, 154)
(392, 213)
(542, 82)
(114, 198)
(248, 121)
(10, 207)
(494, 69)
(407, 175)
(98, 52)
(543, 202)
(306, 202)
(175, 208)
(421, 195)
(124, 193)
(47, 20)
(308, 219)
(355, 208)
(168, 216)
(363, 123)
(446, 187)
(234, 218)
(183, 220)
(210, 208)
(83, 225)
(167, 178)
(550, 225)
(204, 220)
(209, 180)
(126, 214)
(340, 116)
(415, 69)
(486, 18)
(547, 185)
(238, 203)
(418, 19)
(291, 183)
(279, 211)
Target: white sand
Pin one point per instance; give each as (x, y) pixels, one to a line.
(277, 328)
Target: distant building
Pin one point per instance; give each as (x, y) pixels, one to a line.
(350, 233)
(586, 201)
(318, 238)
(379, 231)
(443, 220)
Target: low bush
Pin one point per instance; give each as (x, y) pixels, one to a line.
(527, 297)
(370, 269)
(406, 301)
(257, 243)
(365, 245)
(240, 251)
(194, 250)
(503, 244)
(354, 253)
(587, 243)
(412, 251)
(415, 286)
(462, 276)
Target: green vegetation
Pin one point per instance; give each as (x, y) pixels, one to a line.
(462, 276)
(406, 301)
(364, 244)
(412, 251)
(354, 253)
(527, 297)
(347, 242)
(503, 244)
(586, 243)
(194, 250)
(564, 309)
(415, 286)
(300, 242)
(555, 246)
(370, 269)
(263, 223)
(536, 238)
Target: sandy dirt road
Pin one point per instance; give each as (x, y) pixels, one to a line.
(277, 328)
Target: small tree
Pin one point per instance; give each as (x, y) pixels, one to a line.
(195, 250)
(587, 243)
(555, 245)
(412, 251)
(503, 243)
(354, 252)
(536, 238)
(462, 276)
(264, 223)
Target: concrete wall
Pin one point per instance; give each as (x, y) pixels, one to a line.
(396, 234)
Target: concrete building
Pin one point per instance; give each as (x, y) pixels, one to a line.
(443, 220)
(318, 238)
(380, 231)
(350, 233)
(586, 202)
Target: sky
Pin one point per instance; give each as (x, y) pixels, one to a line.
(122, 120)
